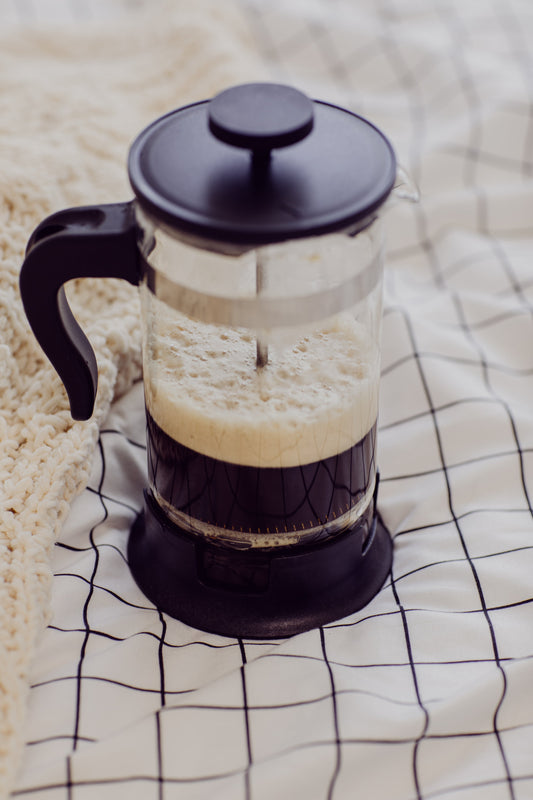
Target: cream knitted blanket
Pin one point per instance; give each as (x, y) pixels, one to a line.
(71, 101)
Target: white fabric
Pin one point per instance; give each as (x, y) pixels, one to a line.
(425, 693)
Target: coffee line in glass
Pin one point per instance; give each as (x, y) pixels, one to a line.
(244, 506)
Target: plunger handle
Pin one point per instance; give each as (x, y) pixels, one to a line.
(260, 117)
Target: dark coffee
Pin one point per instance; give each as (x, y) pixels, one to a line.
(258, 500)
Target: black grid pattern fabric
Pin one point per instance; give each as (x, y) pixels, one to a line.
(426, 693)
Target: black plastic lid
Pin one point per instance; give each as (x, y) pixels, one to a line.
(261, 163)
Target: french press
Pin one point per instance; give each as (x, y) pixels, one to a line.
(256, 240)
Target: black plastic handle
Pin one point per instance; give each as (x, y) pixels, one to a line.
(88, 242)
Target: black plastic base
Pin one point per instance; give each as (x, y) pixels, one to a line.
(253, 593)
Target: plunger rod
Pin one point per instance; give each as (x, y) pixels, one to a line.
(262, 354)
(261, 346)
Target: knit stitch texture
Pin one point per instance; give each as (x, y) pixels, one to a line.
(71, 101)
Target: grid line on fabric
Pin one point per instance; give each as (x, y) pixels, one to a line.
(160, 655)
(160, 772)
(338, 744)
(408, 81)
(515, 32)
(478, 586)
(244, 663)
(183, 783)
(87, 629)
(514, 284)
(470, 179)
(424, 729)
(246, 709)
(469, 173)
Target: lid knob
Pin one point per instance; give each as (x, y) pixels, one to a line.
(260, 116)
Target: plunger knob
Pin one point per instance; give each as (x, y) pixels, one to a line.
(260, 117)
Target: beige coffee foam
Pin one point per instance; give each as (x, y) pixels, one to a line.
(315, 398)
